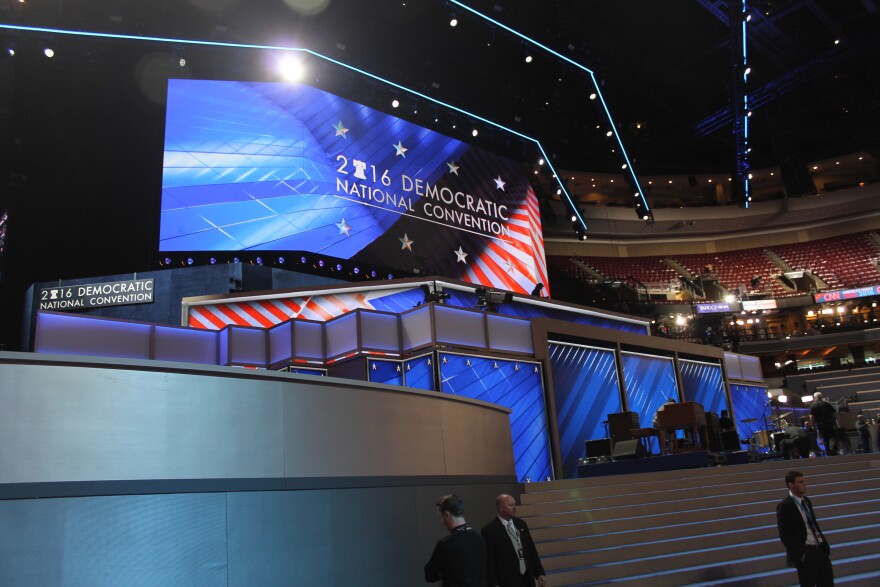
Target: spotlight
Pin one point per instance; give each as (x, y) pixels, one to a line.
(390, 276)
(302, 260)
(573, 218)
(182, 62)
(281, 260)
(320, 262)
(593, 96)
(49, 52)
(236, 260)
(356, 270)
(453, 22)
(528, 58)
(609, 133)
(11, 51)
(541, 161)
(189, 260)
(212, 261)
(290, 68)
(372, 274)
(395, 103)
(474, 132)
(168, 260)
(259, 260)
(339, 267)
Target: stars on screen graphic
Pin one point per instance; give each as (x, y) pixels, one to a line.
(262, 166)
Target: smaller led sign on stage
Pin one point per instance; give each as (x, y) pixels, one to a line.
(289, 167)
(96, 295)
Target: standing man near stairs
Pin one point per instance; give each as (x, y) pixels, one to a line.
(511, 557)
(805, 546)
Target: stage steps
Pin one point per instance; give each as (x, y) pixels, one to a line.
(708, 526)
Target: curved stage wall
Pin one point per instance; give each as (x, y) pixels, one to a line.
(180, 474)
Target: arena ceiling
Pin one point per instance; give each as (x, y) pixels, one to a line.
(664, 68)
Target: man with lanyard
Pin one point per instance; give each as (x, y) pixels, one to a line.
(511, 557)
(459, 559)
(805, 546)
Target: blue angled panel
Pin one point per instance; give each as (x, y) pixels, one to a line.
(749, 403)
(516, 385)
(649, 381)
(419, 372)
(586, 390)
(383, 371)
(703, 383)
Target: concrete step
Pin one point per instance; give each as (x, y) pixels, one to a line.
(713, 573)
(642, 482)
(670, 526)
(757, 549)
(739, 491)
(574, 556)
(716, 532)
(721, 506)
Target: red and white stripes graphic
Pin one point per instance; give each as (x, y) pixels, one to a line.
(268, 313)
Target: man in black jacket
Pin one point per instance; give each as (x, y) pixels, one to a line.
(805, 546)
(459, 559)
(511, 557)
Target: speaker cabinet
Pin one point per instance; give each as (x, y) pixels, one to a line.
(629, 449)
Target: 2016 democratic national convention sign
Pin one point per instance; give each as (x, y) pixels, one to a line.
(96, 295)
(289, 167)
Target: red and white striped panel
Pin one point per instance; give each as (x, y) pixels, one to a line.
(268, 313)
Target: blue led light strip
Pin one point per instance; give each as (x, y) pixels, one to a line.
(583, 68)
(745, 168)
(174, 41)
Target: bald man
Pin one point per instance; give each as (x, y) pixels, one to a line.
(511, 557)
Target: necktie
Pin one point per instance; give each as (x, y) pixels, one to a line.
(810, 522)
(511, 529)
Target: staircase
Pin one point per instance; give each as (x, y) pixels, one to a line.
(709, 526)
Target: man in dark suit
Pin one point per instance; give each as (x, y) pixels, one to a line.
(823, 414)
(805, 546)
(459, 559)
(511, 557)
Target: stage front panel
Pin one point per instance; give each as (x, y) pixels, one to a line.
(586, 390)
(516, 385)
(703, 383)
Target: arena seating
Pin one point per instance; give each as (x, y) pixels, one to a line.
(844, 261)
(701, 527)
(847, 261)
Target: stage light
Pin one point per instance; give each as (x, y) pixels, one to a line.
(339, 267)
(453, 22)
(474, 132)
(609, 133)
(806, 398)
(189, 260)
(372, 274)
(49, 52)
(182, 62)
(528, 58)
(730, 298)
(302, 260)
(168, 260)
(320, 262)
(259, 260)
(541, 161)
(747, 71)
(11, 51)
(573, 218)
(623, 166)
(235, 260)
(291, 68)
(281, 260)
(781, 398)
(212, 261)
(593, 96)
(583, 237)
(390, 276)
(395, 103)
(356, 270)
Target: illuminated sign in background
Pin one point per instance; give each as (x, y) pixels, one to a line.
(846, 294)
(288, 167)
(96, 295)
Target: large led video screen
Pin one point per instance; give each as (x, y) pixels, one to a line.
(264, 166)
